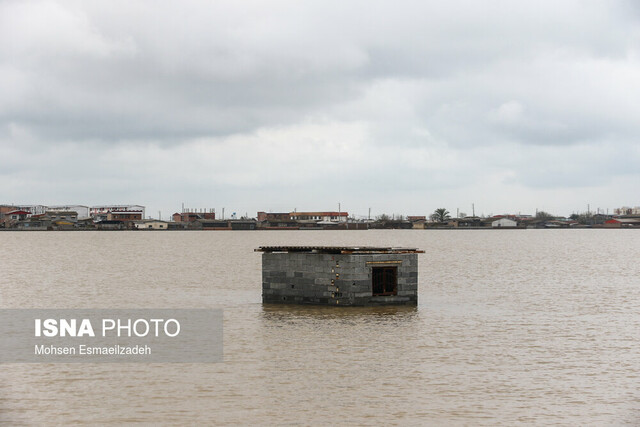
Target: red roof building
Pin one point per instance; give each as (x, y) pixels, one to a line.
(622, 222)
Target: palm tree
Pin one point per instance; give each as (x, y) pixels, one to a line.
(440, 215)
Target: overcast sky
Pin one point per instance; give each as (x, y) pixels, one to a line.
(402, 107)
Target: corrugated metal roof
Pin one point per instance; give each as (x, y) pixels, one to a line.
(339, 249)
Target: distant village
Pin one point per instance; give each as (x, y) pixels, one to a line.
(132, 217)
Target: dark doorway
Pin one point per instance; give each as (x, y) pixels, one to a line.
(384, 280)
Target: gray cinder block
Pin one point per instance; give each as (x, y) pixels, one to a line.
(339, 276)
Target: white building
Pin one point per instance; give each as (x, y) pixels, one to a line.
(319, 216)
(625, 210)
(151, 224)
(504, 223)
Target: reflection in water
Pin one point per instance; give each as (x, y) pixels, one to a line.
(525, 326)
(280, 312)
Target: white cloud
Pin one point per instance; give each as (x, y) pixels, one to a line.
(509, 113)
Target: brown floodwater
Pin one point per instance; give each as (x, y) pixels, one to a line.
(512, 327)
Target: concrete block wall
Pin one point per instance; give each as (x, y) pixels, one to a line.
(334, 279)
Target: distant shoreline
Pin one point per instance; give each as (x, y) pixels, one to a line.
(340, 229)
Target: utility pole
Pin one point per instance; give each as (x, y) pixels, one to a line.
(369, 214)
(473, 209)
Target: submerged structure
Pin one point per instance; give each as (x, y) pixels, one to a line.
(334, 275)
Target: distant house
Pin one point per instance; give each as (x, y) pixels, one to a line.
(100, 213)
(124, 216)
(207, 224)
(61, 220)
(417, 221)
(226, 224)
(391, 224)
(527, 221)
(81, 210)
(151, 224)
(110, 225)
(85, 223)
(305, 219)
(622, 222)
(242, 224)
(419, 224)
(504, 223)
(273, 216)
(279, 225)
(191, 216)
(468, 221)
(177, 225)
(18, 215)
(320, 216)
(68, 217)
(10, 218)
(276, 220)
(35, 222)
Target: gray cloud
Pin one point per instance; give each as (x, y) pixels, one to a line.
(413, 100)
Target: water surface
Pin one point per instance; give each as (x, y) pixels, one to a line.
(512, 327)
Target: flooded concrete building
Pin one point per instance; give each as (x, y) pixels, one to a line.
(332, 275)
